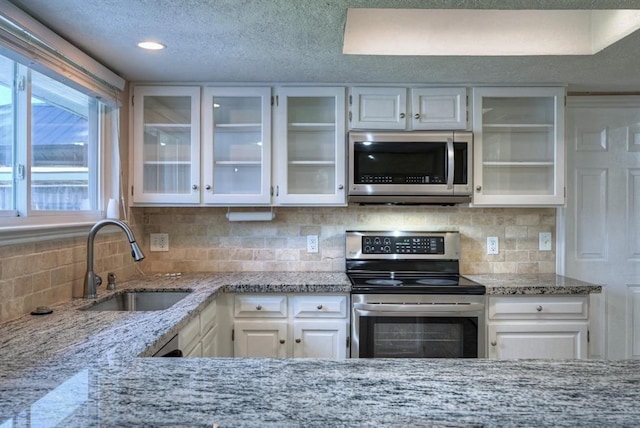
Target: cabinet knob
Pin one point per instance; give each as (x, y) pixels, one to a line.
(539, 308)
(298, 340)
(416, 116)
(194, 187)
(319, 307)
(282, 341)
(340, 187)
(494, 343)
(402, 116)
(208, 187)
(258, 307)
(478, 188)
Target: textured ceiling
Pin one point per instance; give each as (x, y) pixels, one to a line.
(301, 41)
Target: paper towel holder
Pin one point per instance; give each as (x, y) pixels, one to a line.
(250, 215)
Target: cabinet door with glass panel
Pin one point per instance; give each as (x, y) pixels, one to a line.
(309, 152)
(518, 146)
(237, 146)
(166, 128)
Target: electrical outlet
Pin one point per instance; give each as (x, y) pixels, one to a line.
(544, 241)
(492, 245)
(159, 242)
(312, 243)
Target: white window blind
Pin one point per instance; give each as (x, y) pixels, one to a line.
(25, 40)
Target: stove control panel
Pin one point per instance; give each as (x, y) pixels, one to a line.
(403, 245)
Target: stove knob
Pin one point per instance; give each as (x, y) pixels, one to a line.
(377, 241)
(387, 249)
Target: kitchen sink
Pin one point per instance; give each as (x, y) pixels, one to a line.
(140, 301)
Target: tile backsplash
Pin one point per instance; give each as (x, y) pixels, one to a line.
(203, 240)
(48, 272)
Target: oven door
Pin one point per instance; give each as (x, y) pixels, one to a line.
(418, 326)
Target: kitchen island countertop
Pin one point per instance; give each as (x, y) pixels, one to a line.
(83, 368)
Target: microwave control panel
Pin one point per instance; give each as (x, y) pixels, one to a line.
(400, 179)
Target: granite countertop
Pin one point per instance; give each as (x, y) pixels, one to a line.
(83, 368)
(546, 283)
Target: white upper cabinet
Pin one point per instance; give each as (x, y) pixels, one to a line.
(378, 108)
(518, 146)
(166, 145)
(438, 108)
(424, 109)
(236, 147)
(309, 146)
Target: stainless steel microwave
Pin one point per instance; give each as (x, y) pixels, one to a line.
(410, 167)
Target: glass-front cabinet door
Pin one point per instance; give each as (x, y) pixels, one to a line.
(518, 146)
(166, 144)
(309, 163)
(237, 146)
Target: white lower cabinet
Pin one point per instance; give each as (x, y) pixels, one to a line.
(199, 337)
(259, 338)
(555, 327)
(301, 326)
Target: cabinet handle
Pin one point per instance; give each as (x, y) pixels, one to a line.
(319, 307)
(208, 187)
(416, 116)
(539, 308)
(340, 187)
(298, 340)
(478, 188)
(282, 341)
(494, 343)
(194, 187)
(258, 307)
(402, 116)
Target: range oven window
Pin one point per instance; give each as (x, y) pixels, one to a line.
(418, 337)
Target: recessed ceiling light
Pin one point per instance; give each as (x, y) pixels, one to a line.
(454, 32)
(152, 46)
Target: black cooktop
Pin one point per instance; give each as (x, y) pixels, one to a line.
(413, 282)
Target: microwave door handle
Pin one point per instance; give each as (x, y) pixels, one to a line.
(451, 161)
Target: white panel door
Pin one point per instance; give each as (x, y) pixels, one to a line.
(439, 108)
(320, 339)
(557, 340)
(378, 108)
(260, 339)
(602, 217)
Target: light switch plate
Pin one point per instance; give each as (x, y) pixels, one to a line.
(544, 241)
(159, 242)
(492, 245)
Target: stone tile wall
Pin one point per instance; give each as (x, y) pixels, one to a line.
(202, 240)
(49, 272)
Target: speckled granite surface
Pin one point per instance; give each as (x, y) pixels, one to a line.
(81, 368)
(322, 393)
(534, 284)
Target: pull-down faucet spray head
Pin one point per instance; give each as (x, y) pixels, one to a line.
(91, 279)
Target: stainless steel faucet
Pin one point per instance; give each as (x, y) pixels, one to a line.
(92, 280)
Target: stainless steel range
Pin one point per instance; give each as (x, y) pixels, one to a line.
(409, 299)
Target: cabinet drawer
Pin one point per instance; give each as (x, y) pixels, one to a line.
(260, 306)
(537, 307)
(208, 318)
(319, 306)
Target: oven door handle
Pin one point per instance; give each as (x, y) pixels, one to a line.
(451, 161)
(419, 308)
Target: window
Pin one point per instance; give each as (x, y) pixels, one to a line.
(51, 140)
